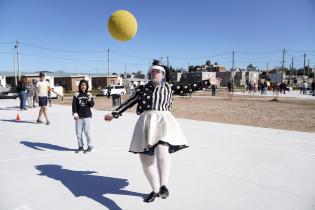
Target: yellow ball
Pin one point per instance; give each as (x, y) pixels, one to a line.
(122, 25)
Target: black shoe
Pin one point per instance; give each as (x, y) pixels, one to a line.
(39, 121)
(80, 149)
(89, 149)
(164, 193)
(47, 122)
(151, 197)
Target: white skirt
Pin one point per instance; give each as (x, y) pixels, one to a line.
(154, 127)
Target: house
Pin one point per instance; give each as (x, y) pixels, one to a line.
(71, 83)
(100, 82)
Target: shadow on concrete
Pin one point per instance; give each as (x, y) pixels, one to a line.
(43, 146)
(84, 183)
(18, 121)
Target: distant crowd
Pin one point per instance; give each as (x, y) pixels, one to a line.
(282, 88)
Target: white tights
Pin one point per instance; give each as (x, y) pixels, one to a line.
(157, 174)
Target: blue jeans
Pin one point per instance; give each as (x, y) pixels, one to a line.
(22, 96)
(83, 126)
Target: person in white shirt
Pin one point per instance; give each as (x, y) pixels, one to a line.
(42, 88)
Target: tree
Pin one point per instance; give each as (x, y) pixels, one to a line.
(171, 68)
(197, 67)
(138, 74)
(191, 68)
(251, 67)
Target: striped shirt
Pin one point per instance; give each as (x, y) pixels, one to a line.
(156, 97)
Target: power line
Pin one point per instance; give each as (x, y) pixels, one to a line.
(61, 50)
(7, 42)
(303, 51)
(200, 58)
(130, 56)
(261, 52)
(62, 58)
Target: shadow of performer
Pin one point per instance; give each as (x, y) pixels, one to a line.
(39, 146)
(83, 183)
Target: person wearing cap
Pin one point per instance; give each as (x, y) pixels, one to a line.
(81, 110)
(157, 133)
(42, 88)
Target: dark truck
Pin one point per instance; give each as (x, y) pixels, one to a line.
(189, 82)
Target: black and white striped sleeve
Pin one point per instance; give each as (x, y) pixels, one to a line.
(130, 102)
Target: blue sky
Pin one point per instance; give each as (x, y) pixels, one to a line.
(72, 35)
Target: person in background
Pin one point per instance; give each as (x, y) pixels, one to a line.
(304, 87)
(230, 89)
(42, 88)
(22, 90)
(213, 89)
(109, 91)
(313, 87)
(30, 94)
(81, 110)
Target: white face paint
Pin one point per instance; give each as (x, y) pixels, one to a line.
(157, 75)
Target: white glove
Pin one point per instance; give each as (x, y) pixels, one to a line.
(89, 96)
(75, 116)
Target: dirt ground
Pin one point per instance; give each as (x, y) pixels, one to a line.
(286, 113)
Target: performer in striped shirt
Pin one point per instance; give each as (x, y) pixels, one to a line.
(157, 133)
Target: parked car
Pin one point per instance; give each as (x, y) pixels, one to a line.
(8, 92)
(114, 89)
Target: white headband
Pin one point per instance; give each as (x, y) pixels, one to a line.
(158, 68)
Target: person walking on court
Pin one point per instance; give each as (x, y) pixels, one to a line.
(42, 88)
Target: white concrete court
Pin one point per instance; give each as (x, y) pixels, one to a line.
(227, 167)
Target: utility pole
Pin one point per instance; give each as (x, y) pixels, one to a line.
(232, 60)
(232, 69)
(283, 52)
(168, 62)
(108, 67)
(125, 71)
(291, 73)
(15, 79)
(17, 59)
(292, 62)
(308, 68)
(304, 65)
